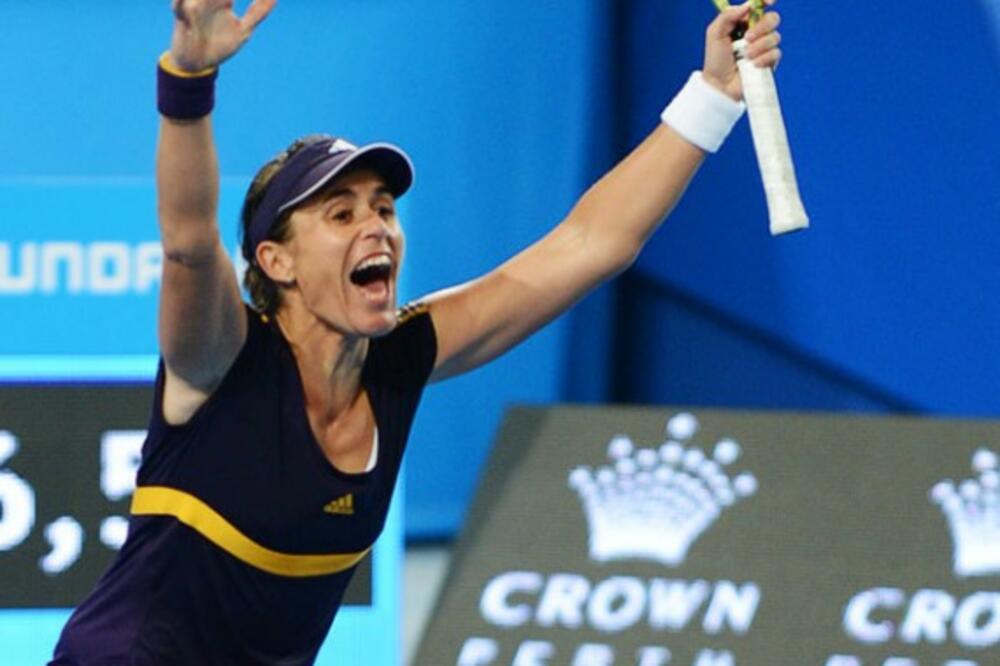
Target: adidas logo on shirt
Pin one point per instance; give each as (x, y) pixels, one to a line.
(342, 506)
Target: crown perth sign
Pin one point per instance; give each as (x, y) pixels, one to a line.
(730, 538)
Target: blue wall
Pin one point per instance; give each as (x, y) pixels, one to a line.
(893, 118)
(510, 111)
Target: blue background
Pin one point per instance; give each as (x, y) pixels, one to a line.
(510, 111)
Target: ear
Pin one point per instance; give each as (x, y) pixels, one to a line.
(276, 262)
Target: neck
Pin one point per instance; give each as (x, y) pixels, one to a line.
(329, 362)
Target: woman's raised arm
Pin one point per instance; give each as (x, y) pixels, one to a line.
(604, 232)
(201, 323)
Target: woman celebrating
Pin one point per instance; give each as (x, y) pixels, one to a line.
(278, 430)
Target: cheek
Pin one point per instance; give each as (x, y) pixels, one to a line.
(400, 243)
(320, 266)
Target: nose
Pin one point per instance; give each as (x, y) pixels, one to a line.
(375, 226)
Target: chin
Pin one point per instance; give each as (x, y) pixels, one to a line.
(375, 326)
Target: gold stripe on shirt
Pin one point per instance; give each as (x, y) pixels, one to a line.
(188, 509)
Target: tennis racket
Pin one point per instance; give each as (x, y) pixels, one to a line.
(770, 139)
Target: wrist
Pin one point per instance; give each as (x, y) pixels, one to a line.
(702, 113)
(184, 95)
(167, 64)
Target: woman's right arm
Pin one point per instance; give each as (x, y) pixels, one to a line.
(201, 320)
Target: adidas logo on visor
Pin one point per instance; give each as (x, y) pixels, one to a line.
(340, 146)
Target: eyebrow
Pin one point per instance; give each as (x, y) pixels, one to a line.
(381, 191)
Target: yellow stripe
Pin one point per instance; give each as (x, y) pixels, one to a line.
(167, 65)
(162, 501)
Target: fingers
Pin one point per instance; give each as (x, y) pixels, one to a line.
(256, 12)
(768, 23)
(179, 13)
(727, 21)
(769, 59)
(762, 45)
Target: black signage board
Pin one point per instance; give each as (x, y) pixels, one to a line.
(680, 537)
(68, 455)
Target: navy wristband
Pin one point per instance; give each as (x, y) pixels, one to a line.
(182, 95)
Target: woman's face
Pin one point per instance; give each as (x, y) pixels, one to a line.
(344, 255)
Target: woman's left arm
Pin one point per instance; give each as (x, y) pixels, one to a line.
(602, 235)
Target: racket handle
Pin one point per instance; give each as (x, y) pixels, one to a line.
(770, 141)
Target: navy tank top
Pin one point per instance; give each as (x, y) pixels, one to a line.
(243, 536)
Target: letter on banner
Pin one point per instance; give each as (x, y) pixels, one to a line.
(654, 656)
(843, 660)
(977, 622)
(617, 603)
(594, 654)
(55, 253)
(713, 658)
(148, 266)
(927, 618)
(563, 600)
(10, 281)
(108, 268)
(533, 653)
(17, 499)
(494, 604)
(733, 606)
(477, 652)
(857, 617)
(672, 603)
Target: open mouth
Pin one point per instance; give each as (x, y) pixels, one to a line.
(372, 275)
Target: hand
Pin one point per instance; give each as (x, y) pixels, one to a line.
(207, 32)
(762, 47)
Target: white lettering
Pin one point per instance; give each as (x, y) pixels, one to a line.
(114, 531)
(653, 656)
(109, 266)
(121, 455)
(899, 661)
(65, 537)
(977, 622)
(54, 254)
(616, 603)
(494, 604)
(857, 617)
(928, 617)
(843, 660)
(733, 606)
(533, 653)
(100, 268)
(672, 603)
(10, 282)
(148, 266)
(713, 658)
(563, 601)
(17, 499)
(594, 654)
(477, 652)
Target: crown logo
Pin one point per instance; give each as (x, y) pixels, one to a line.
(654, 503)
(973, 512)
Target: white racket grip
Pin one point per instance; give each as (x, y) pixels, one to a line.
(770, 141)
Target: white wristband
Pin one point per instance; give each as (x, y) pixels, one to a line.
(702, 114)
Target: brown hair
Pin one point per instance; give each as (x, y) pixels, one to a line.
(264, 293)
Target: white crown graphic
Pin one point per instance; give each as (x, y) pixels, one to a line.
(653, 503)
(973, 512)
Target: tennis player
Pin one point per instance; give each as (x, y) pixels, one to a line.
(278, 429)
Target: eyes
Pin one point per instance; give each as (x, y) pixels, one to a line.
(343, 212)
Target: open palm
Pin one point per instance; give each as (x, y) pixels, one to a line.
(207, 32)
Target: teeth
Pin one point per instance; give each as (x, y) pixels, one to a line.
(380, 260)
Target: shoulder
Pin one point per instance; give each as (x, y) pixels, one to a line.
(411, 346)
